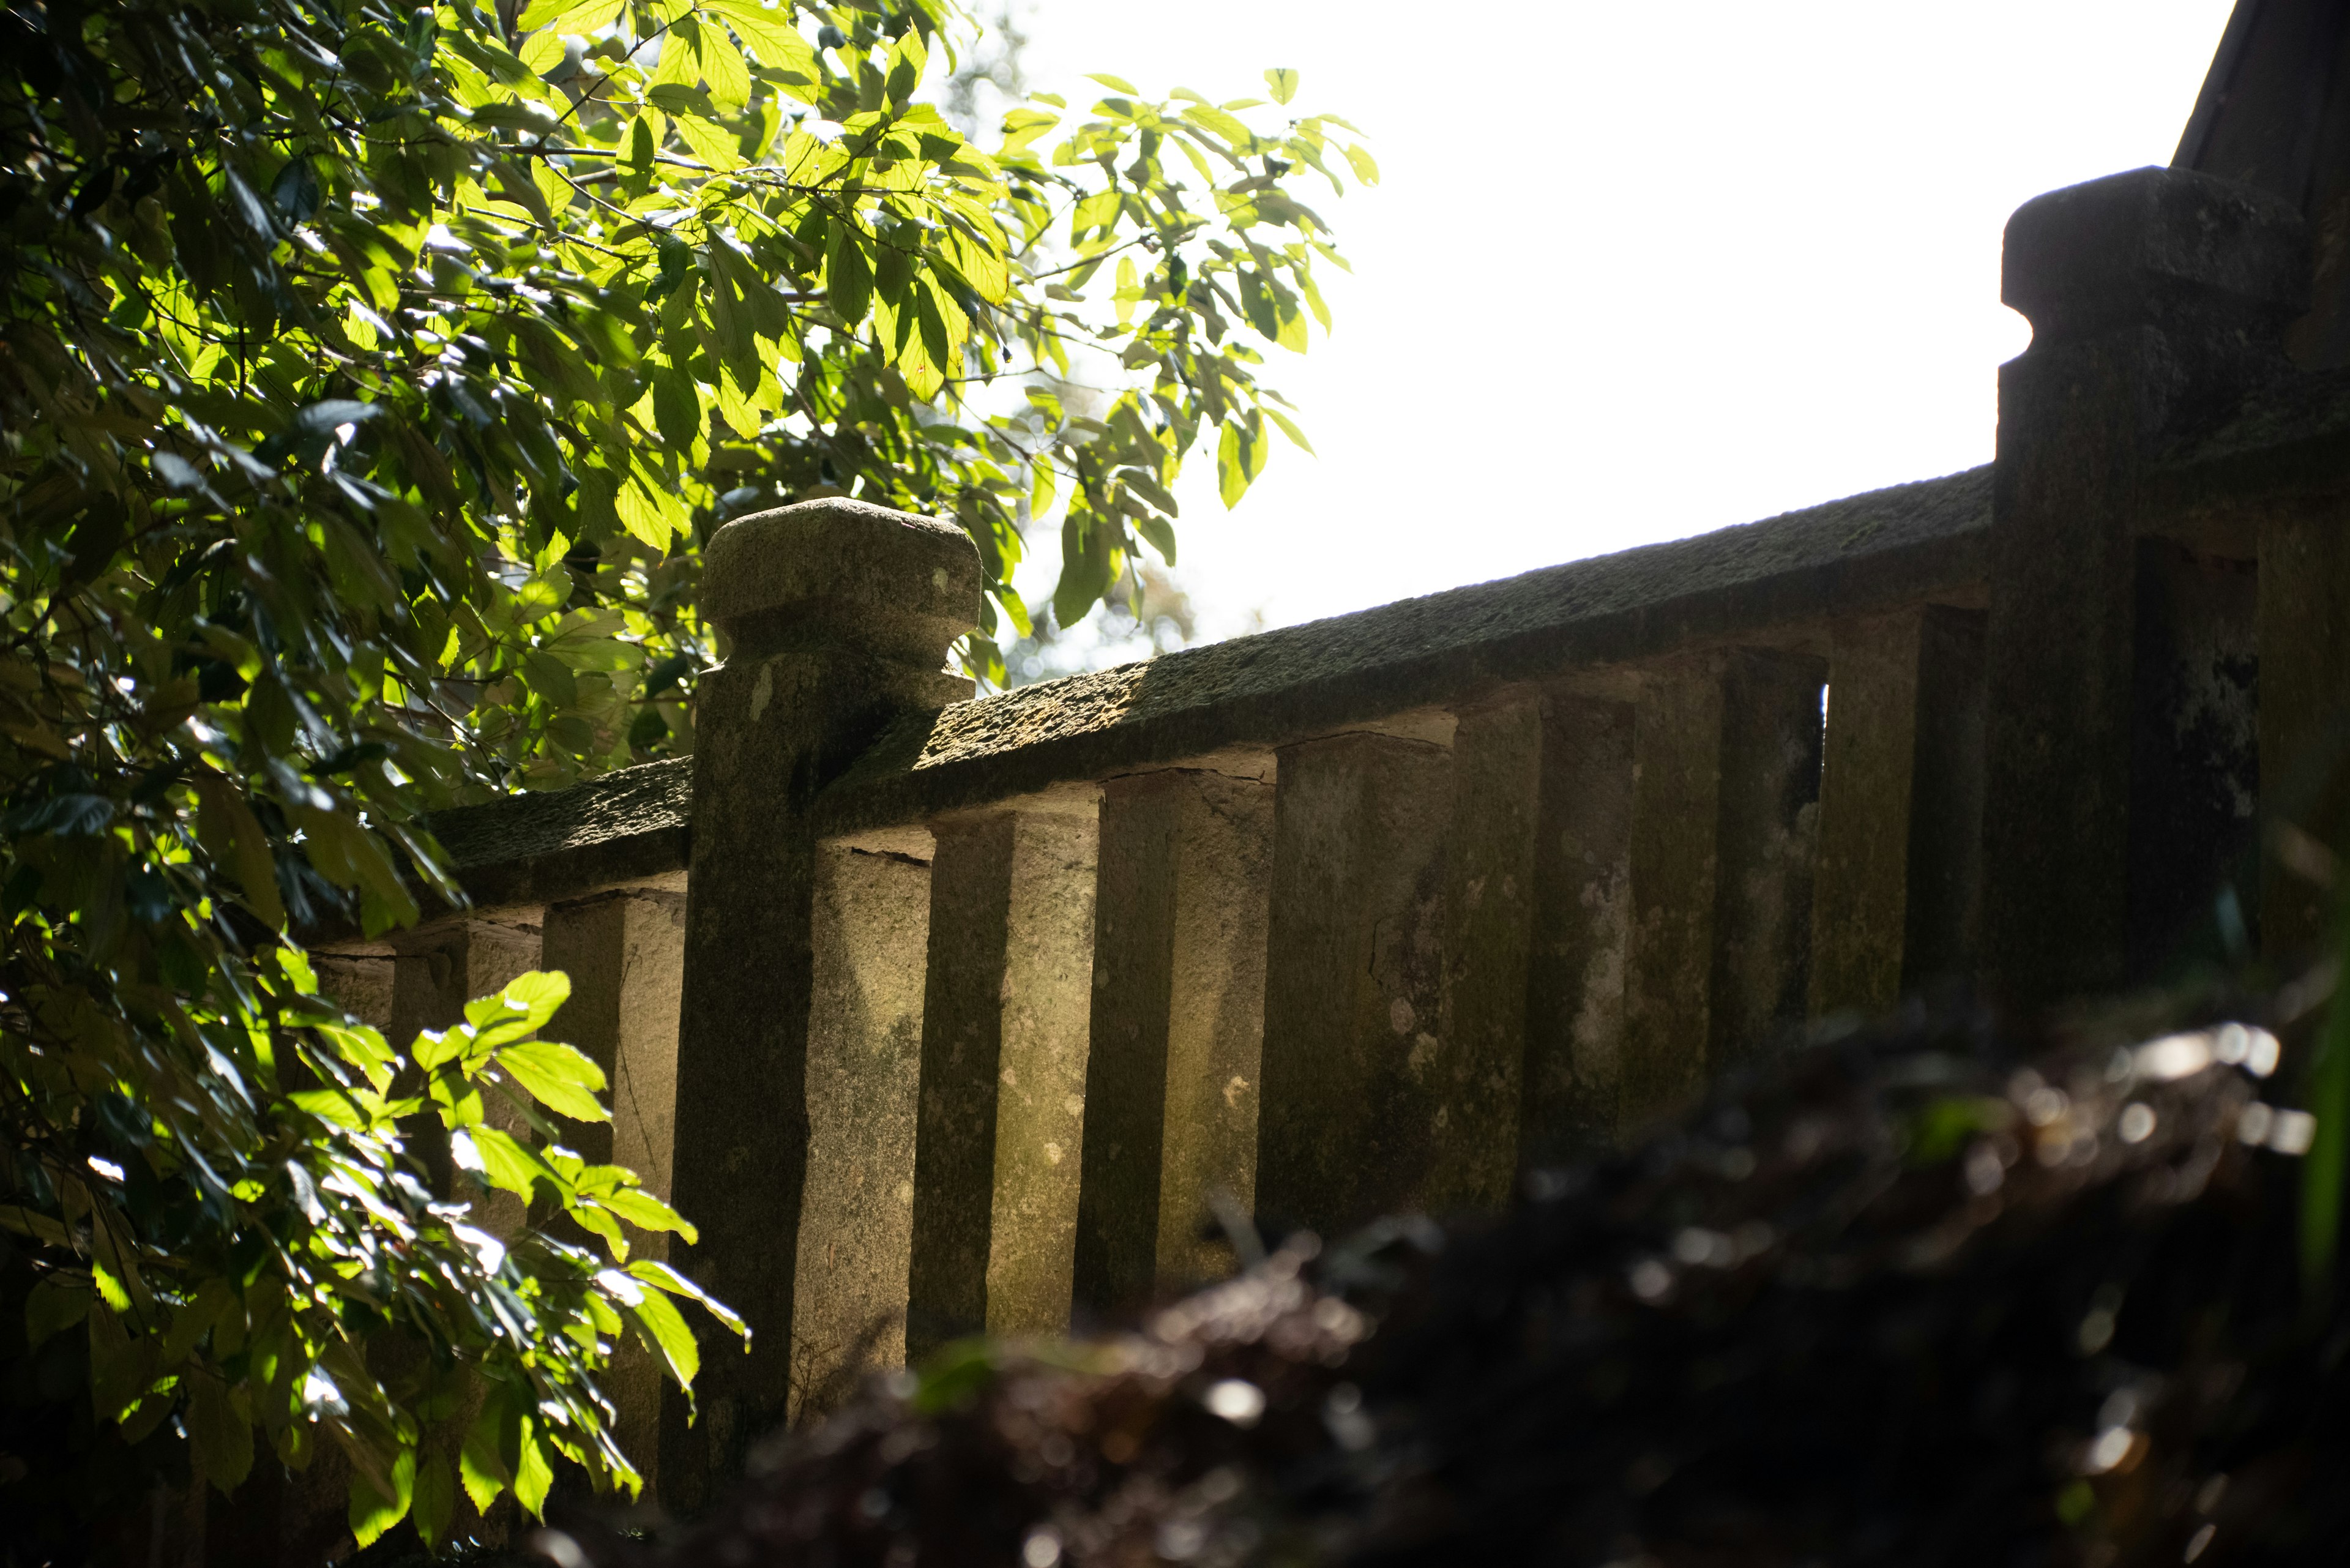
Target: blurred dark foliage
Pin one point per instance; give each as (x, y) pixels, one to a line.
(1911, 1297)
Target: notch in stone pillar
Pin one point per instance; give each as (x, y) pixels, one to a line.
(998, 1138)
(2157, 299)
(1178, 1030)
(837, 616)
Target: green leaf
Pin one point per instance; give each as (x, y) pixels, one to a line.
(533, 1470)
(558, 1077)
(1116, 84)
(1282, 84)
(647, 1212)
(1022, 127)
(1365, 169)
(220, 1437)
(1289, 429)
(54, 1305)
(909, 57)
(561, 16)
(504, 1163)
(664, 1328)
(522, 1008)
(847, 273)
(371, 1513)
(480, 1470)
(435, 1501)
(1232, 467)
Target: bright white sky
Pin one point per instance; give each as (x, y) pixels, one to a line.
(1636, 271)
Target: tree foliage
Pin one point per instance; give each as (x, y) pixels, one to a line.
(369, 378)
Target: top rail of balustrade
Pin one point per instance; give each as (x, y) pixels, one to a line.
(1876, 551)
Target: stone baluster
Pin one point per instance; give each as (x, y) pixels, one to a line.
(1354, 1055)
(1000, 1128)
(435, 972)
(1900, 866)
(1178, 1029)
(1726, 763)
(1499, 753)
(838, 615)
(2157, 299)
(625, 954)
(1582, 930)
(2303, 629)
(864, 1079)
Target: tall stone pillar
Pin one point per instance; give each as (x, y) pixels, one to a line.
(1178, 1030)
(1354, 1053)
(1000, 1129)
(2157, 299)
(838, 615)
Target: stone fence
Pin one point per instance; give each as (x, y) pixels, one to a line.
(941, 1014)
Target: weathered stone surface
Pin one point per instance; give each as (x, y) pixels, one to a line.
(1874, 551)
(898, 585)
(2304, 723)
(1178, 1030)
(864, 1079)
(626, 826)
(1675, 872)
(1944, 922)
(1478, 1079)
(1354, 1055)
(1861, 889)
(2194, 884)
(1005, 1011)
(1583, 913)
(1770, 791)
(625, 955)
(1900, 861)
(1877, 550)
(798, 697)
(2156, 299)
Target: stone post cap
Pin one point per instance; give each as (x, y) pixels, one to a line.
(844, 571)
(2092, 257)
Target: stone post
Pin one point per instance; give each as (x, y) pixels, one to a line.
(1770, 791)
(2157, 299)
(839, 615)
(2305, 721)
(1178, 1030)
(1582, 930)
(435, 972)
(998, 1138)
(1354, 979)
(1675, 871)
(1899, 862)
(1498, 756)
(625, 954)
(864, 1075)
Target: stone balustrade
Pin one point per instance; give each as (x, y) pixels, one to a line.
(944, 1014)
